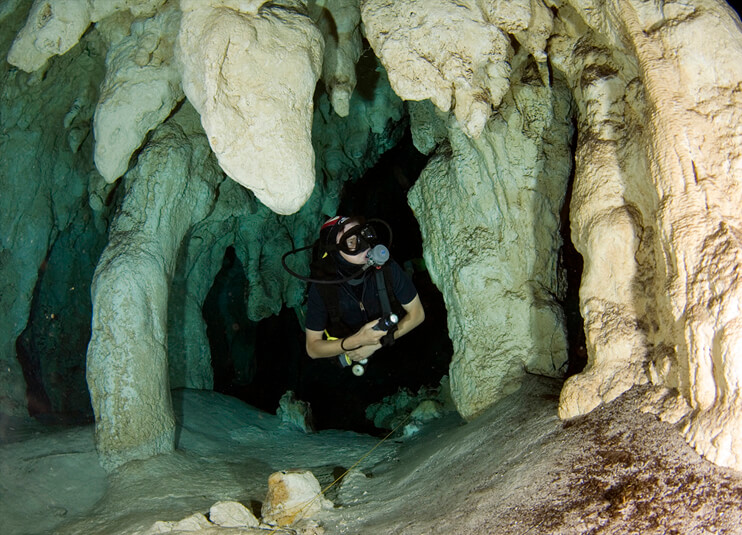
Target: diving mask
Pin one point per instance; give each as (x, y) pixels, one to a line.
(357, 239)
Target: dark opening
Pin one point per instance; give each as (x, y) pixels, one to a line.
(572, 263)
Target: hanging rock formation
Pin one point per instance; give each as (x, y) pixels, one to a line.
(140, 90)
(251, 76)
(53, 28)
(339, 21)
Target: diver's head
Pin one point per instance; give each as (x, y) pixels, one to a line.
(350, 237)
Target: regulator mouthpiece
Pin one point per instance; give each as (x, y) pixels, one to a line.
(377, 256)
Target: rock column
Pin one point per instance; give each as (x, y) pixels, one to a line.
(612, 227)
(489, 214)
(172, 187)
(695, 145)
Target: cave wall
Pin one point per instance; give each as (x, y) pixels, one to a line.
(655, 190)
(654, 210)
(51, 198)
(489, 213)
(654, 205)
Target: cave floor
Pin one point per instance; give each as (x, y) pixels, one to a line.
(515, 470)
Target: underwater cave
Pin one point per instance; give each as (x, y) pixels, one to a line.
(564, 196)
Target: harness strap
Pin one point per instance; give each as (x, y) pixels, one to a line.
(381, 289)
(386, 306)
(384, 292)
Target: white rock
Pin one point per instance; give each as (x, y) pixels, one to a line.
(339, 21)
(194, 523)
(252, 79)
(442, 50)
(655, 211)
(477, 202)
(140, 90)
(53, 27)
(171, 188)
(232, 515)
(292, 496)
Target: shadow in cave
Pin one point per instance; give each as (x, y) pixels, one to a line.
(259, 362)
(572, 263)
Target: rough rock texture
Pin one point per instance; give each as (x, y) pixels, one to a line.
(345, 148)
(172, 188)
(516, 470)
(611, 214)
(656, 189)
(258, 126)
(232, 515)
(292, 496)
(477, 202)
(673, 310)
(654, 210)
(445, 51)
(339, 21)
(46, 176)
(53, 28)
(410, 409)
(52, 347)
(696, 146)
(140, 90)
(238, 220)
(295, 412)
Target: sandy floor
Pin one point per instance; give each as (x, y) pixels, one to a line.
(516, 470)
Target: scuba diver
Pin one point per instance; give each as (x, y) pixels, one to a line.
(360, 300)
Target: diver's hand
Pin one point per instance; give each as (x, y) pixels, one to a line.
(363, 352)
(366, 336)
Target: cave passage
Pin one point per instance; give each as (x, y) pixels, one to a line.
(572, 263)
(259, 361)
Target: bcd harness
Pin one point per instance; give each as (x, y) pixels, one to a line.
(388, 300)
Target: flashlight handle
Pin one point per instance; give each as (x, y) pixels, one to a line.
(386, 323)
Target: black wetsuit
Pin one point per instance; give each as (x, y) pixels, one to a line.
(357, 299)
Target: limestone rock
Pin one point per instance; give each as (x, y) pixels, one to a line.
(194, 523)
(347, 147)
(252, 78)
(339, 21)
(293, 496)
(489, 215)
(404, 406)
(232, 515)
(140, 90)
(171, 188)
(445, 51)
(52, 28)
(667, 404)
(351, 486)
(530, 21)
(295, 412)
(39, 116)
(649, 169)
(427, 410)
(428, 125)
(611, 224)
